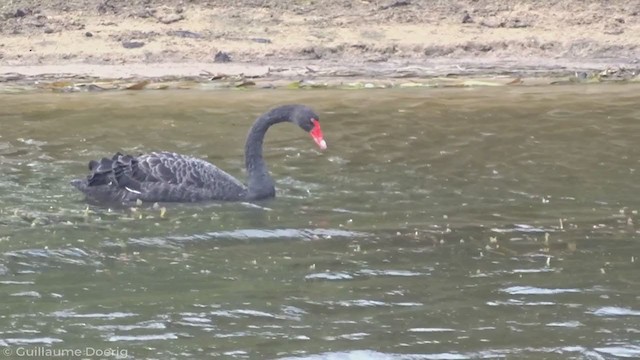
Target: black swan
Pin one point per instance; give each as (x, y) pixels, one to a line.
(171, 177)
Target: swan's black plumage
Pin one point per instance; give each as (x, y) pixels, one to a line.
(171, 177)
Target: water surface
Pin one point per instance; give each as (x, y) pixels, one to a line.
(439, 224)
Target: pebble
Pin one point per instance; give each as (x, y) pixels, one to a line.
(185, 34)
(132, 44)
(20, 13)
(222, 57)
(261, 40)
(171, 18)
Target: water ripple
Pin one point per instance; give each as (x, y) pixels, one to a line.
(615, 311)
(430, 330)
(110, 316)
(244, 234)
(337, 275)
(142, 325)
(566, 324)
(32, 294)
(31, 341)
(38, 259)
(151, 337)
(530, 290)
(329, 276)
(375, 355)
(623, 351)
(523, 228)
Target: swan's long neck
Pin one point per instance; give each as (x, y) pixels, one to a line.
(259, 182)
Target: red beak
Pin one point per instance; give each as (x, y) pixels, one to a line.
(316, 134)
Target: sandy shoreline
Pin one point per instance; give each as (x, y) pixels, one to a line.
(327, 42)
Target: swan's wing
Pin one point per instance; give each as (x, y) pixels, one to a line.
(178, 169)
(160, 176)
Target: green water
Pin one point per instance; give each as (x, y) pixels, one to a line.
(439, 224)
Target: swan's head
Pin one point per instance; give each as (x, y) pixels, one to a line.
(308, 120)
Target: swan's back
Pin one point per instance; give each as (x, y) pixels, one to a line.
(158, 177)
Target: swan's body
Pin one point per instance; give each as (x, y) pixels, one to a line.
(159, 176)
(171, 177)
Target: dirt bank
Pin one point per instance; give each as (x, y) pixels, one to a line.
(321, 38)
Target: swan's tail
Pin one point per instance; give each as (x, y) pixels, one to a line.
(115, 171)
